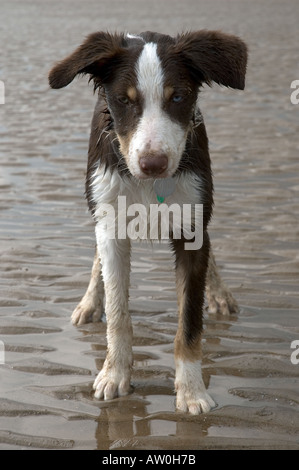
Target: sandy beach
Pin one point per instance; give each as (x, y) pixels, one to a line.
(47, 241)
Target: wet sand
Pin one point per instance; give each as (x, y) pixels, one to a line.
(47, 242)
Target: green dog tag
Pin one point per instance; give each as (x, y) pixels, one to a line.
(163, 188)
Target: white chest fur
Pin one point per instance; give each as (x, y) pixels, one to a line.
(107, 186)
(122, 197)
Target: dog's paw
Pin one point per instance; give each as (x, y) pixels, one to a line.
(191, 392)
(221, 300)
(87, 311)
(194, 402)
(111, 383)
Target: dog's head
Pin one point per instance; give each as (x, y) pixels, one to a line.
(151, 83)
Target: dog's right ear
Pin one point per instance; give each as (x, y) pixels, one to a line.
(91, 57)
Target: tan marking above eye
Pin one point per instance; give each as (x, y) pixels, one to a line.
(168, 92)
(132, 93)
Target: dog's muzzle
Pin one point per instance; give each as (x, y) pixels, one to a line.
(154, 165)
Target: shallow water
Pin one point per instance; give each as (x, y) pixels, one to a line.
(47, 242)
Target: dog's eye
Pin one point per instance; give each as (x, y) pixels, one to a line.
(123, 99)
(177, 98)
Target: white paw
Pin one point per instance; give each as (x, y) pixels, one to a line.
(194, 402)
(190, 388)
(111, 383)
(87, 311)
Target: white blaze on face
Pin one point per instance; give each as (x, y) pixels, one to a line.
(156, 131)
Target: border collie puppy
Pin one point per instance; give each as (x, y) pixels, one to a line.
(148, 143)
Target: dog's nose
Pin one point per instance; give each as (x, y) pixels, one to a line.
(153, 165)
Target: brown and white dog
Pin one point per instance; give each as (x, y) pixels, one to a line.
(147, 126)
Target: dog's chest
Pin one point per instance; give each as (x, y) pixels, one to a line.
(107, 187)
(123, 198)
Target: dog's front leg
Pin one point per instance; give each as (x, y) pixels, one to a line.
(114, 378)
(191, 267)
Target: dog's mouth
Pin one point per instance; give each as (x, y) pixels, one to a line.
(149, 162)
(150, 166)
(153, 165)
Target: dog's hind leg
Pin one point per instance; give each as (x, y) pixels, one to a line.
(219, 297)
(191, 267)
(90, 308)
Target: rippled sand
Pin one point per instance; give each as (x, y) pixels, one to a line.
(46, 242)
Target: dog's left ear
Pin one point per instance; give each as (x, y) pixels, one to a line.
(214, 56)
